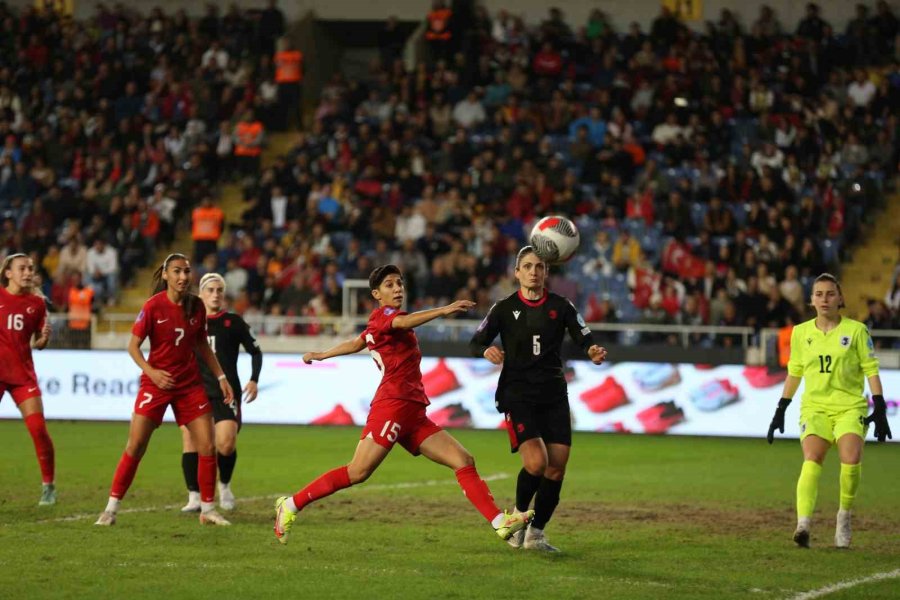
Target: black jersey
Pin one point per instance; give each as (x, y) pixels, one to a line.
(227, 332)
(532, 333)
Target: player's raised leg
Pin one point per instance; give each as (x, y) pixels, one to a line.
(32, 411)
(814, 451)
(203, 438)
(226, 457)
(189, 462)
(139, 434)
(365, 460)
(850, 448)
(444, 449)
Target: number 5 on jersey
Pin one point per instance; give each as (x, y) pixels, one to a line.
(536, 344)
(394, 432)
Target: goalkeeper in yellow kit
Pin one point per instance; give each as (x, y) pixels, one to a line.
(834, 355)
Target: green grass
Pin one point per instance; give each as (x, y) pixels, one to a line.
(640, 517)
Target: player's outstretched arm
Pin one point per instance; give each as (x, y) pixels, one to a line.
(349, 347)
(423, 316)
(209, 357)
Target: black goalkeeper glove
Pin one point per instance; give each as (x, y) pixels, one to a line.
(879, 417)
(778, 419)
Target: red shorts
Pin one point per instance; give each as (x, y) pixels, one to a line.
(20, 393)
(399, 421)
(187, 405)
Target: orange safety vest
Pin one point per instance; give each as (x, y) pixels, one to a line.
(439, 25)
(246, 136)
(207, 224)
(80, 302)
(288, 66)
(784, 345)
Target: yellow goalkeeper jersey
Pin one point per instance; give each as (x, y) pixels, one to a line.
(833, 365)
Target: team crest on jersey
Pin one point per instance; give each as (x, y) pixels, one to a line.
(193, 321)
(845, 341)
(227, 322)
(30, 310)
(552, 314)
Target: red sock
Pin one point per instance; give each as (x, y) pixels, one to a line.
(477, 492)
(326, 484)
(206, 477)
(124, 475)
(43, 445)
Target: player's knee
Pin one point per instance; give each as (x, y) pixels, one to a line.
(536, 465)
(358, 474)
(466, 460)
(554, 473)
(206, 448)
(136, 448)
(225, 447)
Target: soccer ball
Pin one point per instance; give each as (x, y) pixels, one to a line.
(555, 239)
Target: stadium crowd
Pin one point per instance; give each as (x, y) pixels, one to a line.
(711, 174)
(112, 127)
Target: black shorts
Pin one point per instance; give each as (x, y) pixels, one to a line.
(550, 422)
(224, 412)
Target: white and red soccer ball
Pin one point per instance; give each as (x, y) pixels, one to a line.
(555, 239)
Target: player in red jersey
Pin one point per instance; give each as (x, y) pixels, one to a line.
(175, 321)
(397, 414)
(23, 315)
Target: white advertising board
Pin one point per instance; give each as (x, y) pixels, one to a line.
(685, 399)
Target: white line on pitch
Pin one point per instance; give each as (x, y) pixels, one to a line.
(403, 485)
(843, 585)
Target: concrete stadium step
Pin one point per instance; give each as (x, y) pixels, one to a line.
(230, 199)
(868, 273)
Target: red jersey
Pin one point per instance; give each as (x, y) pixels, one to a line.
(172, 339)
(21, 316)
(396, 353)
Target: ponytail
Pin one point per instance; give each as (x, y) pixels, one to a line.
(160, 284)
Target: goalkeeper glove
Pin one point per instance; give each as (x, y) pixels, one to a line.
(879, 417)
(778, 419)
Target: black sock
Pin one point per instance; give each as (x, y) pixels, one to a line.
(526, 486)
(226, 466)
(546, 501)
(189, 468)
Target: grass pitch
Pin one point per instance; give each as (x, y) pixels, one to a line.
(640, 517)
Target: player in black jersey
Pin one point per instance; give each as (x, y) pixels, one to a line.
(532, 391)
(227, 331)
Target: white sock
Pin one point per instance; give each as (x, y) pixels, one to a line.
(803, 523)
(193, 497)
(289, 504)
(207, 506)
(534, 531)
(224, 487)
(113, 505)
(497, 521)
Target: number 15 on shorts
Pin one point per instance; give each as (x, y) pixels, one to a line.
(390, 431)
